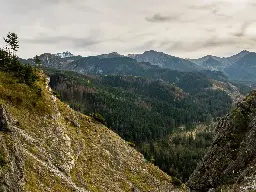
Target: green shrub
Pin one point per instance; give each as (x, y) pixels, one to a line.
(176, 182)
(25, 73)
(2, 160)
(240, 119)
(57, 94)
(131, 144)
(98, 117)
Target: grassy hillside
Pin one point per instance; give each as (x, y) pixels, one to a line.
(46, 146)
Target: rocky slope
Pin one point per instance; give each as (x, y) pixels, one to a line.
(46, 146)
(230, 164)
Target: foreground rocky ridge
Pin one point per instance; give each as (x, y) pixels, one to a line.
(46, 146)
(230, 164)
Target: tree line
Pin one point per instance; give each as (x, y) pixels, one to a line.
(9, 61)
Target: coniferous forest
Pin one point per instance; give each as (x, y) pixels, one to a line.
(171, 127)
(166, 115)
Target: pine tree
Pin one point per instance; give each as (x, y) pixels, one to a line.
(37, 60)
(12, 41)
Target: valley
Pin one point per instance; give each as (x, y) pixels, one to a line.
(147, 104)
(117, 123)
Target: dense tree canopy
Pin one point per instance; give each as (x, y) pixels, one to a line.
(145, 111)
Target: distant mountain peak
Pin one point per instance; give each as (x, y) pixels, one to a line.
(153, 52)
(245, 51)
(64, 54)
(110, 55)
(210, 57)
(165, 60)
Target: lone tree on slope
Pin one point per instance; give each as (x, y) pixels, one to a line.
(12, 43)
(37, 60)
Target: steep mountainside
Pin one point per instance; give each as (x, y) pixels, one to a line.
(240, 67)
(65, 54)
(145, 111)
(209, 62)
(108, 65)
(234, 58)
(46, 146)
(112, 64)
(110, 55)
(125, 101)
(244, 69)
(165, 61)
(230, 164)
(223, 61)
(56, 61)
(202, 60)
(126, 66)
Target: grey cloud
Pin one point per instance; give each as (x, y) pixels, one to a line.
(217, 42)
(203, 7)
(163, 18)
(216, 13)
(186, 25)
(138, 36)
(54, 40)
(252, 4)
(210, 6)
(214, 8)
(41, 6)
(211, 30)
(199, 44)
(60, 1)
(74, 2)
(159, 18)
(243, 28)
(143, 46)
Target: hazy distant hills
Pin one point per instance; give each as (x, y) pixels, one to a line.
(126, 66)
(240, 67)
(165, 61)
(244, 69)
(209, 62)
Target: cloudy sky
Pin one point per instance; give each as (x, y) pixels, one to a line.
(185, 28)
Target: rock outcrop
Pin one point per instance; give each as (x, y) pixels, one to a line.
(11, 156)
(230, 164)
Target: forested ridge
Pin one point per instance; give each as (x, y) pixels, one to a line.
(165, 114)
(147, 112)
(148, 106)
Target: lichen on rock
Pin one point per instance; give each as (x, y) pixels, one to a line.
(12, 160)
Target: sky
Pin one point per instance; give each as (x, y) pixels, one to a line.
(184, 28)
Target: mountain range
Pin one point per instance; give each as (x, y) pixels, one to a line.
(239, 68)
(145, 103)
(165, 107)
(46, 146)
